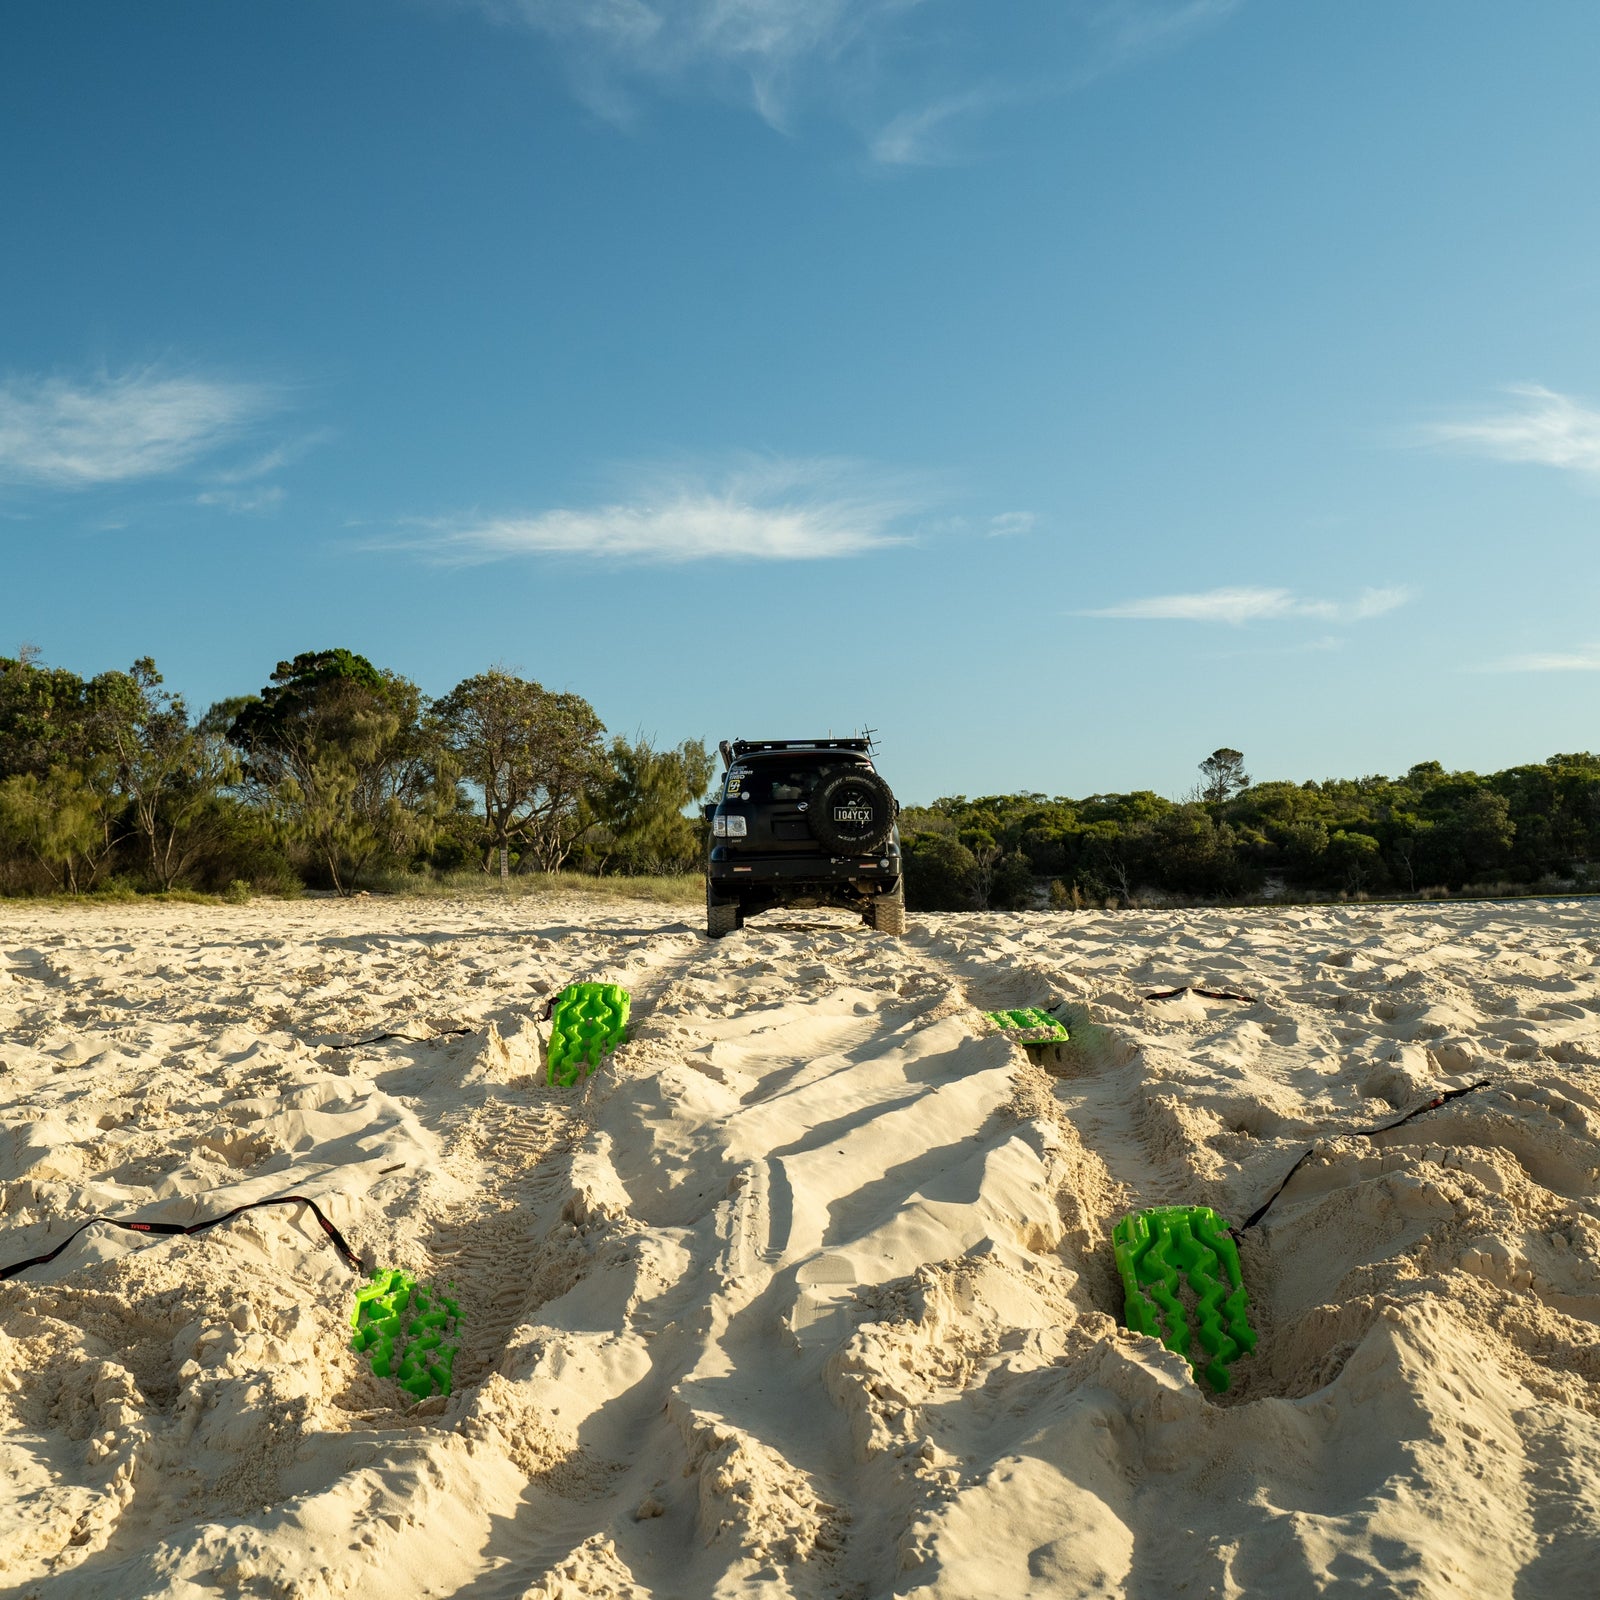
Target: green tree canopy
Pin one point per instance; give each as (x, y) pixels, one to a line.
(532, 755)
(941, 874)
(640, 805)
(1223, 776)
(46, 716)
(342, 755)
(167, 773)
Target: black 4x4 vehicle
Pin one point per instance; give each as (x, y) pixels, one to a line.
(803, 822)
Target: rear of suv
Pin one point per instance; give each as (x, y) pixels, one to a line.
(803, 822)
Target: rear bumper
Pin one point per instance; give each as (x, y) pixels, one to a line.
(730, 871)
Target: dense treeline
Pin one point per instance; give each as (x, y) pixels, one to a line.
(337, 773)
(1430, 831)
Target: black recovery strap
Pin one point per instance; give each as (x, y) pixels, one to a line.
(350, 1258)
(1360, 1133)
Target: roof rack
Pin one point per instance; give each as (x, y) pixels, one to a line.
(735, 749)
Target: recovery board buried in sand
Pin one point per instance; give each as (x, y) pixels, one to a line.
(587, 1022)
(1029, 1025)
(1166, 1250)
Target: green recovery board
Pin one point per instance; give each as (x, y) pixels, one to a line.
(1030, 1025)
(1158, 1252)
(406, 1331)
(587, 1020)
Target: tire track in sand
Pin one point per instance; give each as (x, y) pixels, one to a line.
(811, 1123)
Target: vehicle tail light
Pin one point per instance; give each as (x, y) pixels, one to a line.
(719, 827)
(736, 826)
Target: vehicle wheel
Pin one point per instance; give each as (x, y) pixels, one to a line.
(888, 912)
(852, 812)
(722, 916)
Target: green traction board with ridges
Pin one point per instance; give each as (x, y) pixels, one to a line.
(406, 1331)
(587, 1020)
(1160, 1250)
(1030, 1025)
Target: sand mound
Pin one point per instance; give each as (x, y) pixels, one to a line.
(808, 1291)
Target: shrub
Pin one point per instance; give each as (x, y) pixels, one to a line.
(1012, 887)
(941, 873)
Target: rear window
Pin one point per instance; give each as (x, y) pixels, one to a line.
(779, 782)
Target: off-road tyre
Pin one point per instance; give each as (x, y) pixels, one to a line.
(722, 916)
(888, 912)
(862, 786)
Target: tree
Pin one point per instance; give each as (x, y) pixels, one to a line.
(1303, 846)
(61, 821)
(1114, 854)
(43, 716)
(940, 873)
(1356, 857)
(339, 752)
(985, 851)
(640, 805)
(47, 714)
(58, 805)
(1224, 776)
(167, 772)
(1407, 845)
(1482, 831)
(1194, 855)
(532, 756)
(1012, 886)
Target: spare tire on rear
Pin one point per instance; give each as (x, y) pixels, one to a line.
(852, 812)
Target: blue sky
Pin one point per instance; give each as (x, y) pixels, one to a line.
(1063, 389)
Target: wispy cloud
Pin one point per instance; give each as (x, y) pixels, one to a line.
(266, 462)
(1540, 426)
(118, 429)
(853, 57)
(920, 137)
(1011, 522)
(1239, 606)
(240, 489)
(761, 45)
(1112, 36)
(1320, 645)
(1585, 658)
(254, 498)
(760, 510)
(1130, 31)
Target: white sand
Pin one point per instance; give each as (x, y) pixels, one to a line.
(808, 1292)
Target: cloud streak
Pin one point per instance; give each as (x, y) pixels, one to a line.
(118, 429)
(1009, 523)
(242, 502)
(1586, 658)
(919, 138)
(1239, 606)
(1114, 36)
(771, 510)
(762, 44)
(852, 57)
(283, 454)
(1542, 428)
(1131, 31)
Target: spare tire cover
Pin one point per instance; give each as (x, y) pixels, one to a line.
(851, 811)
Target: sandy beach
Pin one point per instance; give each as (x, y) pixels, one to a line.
(808, 1291)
